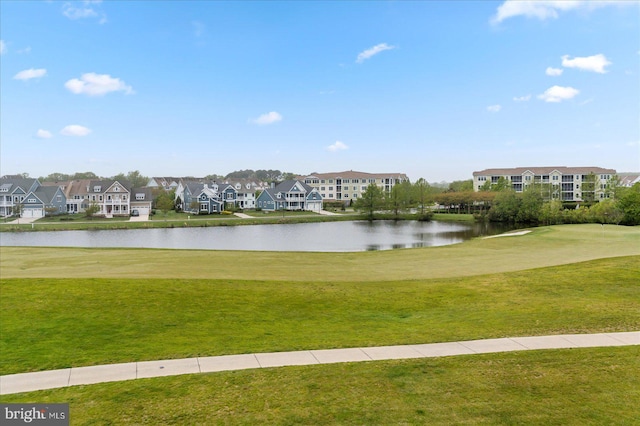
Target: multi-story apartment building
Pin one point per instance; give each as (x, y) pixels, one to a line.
(562, 183)
(349, 185)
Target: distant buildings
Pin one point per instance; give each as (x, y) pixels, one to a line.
(349, 185)
(562, 183)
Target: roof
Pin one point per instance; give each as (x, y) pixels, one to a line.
(350, 174)
(544, 171)
(12, 183)
(46, 193)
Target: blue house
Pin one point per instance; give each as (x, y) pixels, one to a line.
(290, 195)
(13, 190)
(44, 200)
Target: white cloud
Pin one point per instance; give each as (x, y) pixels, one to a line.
(75, 130)
(549, 9)
(76, 11)
(494, 108)
(366, 54)
(93, 84)
(338, 146)
(44, 134)
(554, 72)
(30, 73)
(268, 118)
(595, 63)
(3, 47)
(522, 98)
(558, 94)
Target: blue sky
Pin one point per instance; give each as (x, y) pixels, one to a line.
(432, 89)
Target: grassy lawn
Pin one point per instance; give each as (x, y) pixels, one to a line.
(55, 323)
(74, 307)
(564, 387)
(545, 246)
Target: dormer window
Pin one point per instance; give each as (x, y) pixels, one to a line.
(97, 188)
(139, 196)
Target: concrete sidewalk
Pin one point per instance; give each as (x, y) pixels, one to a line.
(26, 382)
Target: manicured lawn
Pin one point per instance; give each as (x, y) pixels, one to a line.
(545, 246)
(74, 307)
(55, 323)
(596, 386)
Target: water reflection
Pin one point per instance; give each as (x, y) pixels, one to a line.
(322, 237)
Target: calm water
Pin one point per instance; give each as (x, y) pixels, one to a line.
(323, 237)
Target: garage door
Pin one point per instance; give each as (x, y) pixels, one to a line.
(141, 210)
(31, 213)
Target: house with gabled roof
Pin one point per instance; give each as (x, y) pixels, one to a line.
(141, 200)
(13, 190)
(45, 200)
(290, 195)
(111, 196)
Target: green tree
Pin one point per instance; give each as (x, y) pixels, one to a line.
(551, 213)
(83, 175)
(530, 206)
(606, 211)
(399, 198)
(505, 207)
(165, 201)
(371, 200)
(461, 185)
(629, 205)
(589, 188)
(423, 195)
(91, 210)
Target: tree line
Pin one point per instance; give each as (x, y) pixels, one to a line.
(536, 204)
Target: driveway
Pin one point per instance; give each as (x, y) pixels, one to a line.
(141, 218)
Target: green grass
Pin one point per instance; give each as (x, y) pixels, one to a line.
(56, 323)
(156, 304)
(545, 246)
(594, 386)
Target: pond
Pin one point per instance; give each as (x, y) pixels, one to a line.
(318, 237)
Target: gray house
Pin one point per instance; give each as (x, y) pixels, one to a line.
(45, 200)
(13, 190)
(290, 195)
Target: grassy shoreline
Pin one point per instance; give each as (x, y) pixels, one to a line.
(186, 221)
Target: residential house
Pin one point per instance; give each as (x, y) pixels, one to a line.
(349, 185)
(627, 180)
(562, 183)
(141, 200)
(111, 196)
(166, 183)
(13, 190)
(43, 201)
(290, 195)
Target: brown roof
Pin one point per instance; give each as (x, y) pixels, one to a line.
(544, 171)
(350, 174)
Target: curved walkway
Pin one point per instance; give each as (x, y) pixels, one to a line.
(26, 382)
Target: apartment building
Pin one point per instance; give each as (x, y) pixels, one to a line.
(349, 185)
(562, 183)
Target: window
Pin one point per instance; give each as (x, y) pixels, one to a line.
(139, 196)
(116, 188)
(555, 177)
(331, 188)
(97, 188)
(330, 180)
(31, 200)
(355, 195)
(59, 198)
(322, 181)
(345, 180)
